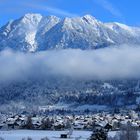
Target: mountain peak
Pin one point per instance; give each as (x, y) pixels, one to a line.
(31, 18)
(89, 17)
(52, 17)
(31, 15)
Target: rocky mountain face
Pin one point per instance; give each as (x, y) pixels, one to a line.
(34, 32)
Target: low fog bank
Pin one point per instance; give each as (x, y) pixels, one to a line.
(120, 62)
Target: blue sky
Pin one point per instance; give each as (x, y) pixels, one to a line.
(124, 11)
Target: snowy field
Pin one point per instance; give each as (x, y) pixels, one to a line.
(37, 135)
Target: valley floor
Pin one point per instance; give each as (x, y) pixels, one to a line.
(38, 135)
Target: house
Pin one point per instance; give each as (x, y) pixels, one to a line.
(108, 127)
(64, 136)
(67, 134)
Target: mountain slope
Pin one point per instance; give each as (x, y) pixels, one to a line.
(34, 32)
(68, 92)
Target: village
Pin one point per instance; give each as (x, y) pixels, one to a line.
(92, 122)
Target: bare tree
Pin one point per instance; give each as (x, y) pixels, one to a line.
(127, 133)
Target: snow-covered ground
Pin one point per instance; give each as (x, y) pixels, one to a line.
(112, 134)
(37, 135)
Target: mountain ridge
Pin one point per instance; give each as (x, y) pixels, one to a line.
(34, 32)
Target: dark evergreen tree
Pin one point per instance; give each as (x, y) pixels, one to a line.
(29, 124)
(46, 124)
(99, 135)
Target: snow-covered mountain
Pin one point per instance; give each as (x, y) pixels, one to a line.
(34, 32)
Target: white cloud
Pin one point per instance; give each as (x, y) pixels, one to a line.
(107, 5)
(51, 10)
(110, 63)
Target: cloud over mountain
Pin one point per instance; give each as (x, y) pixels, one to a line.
(109, 63)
